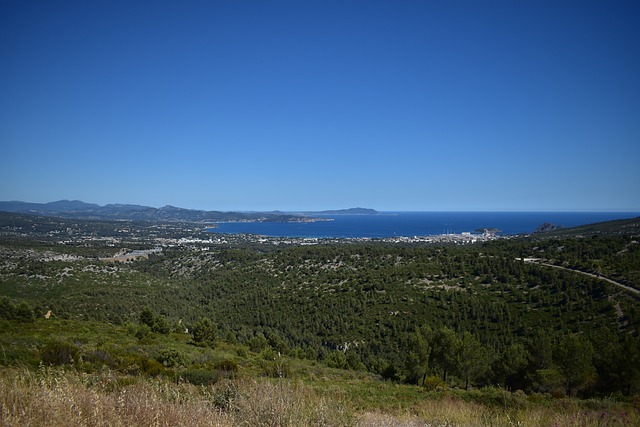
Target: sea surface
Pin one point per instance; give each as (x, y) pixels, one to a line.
(411, 224)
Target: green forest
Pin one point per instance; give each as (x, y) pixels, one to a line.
(497, 315)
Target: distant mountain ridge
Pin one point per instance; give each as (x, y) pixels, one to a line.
(83, 210)
(58, 206)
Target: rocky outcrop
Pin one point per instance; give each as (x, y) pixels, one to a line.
(546, 227)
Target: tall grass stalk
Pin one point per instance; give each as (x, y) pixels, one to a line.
(55, 397)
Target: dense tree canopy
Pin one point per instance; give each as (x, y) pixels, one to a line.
(468, 316)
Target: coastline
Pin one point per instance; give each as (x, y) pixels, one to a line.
(397, 225)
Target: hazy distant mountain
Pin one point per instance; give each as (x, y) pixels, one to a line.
(82, 210)
(51, 207)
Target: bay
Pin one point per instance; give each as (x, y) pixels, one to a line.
(410, 224)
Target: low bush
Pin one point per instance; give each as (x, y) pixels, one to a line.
(60, 353)
(99, 357)
(136, 364)
(277, 368)
(434, 383)
(227, 365)
(172, 358)
(200, 377)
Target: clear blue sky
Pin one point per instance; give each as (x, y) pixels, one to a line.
(306, 105)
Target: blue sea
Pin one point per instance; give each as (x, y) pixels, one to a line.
(410, 224)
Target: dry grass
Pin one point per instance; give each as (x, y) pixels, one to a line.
(54, 397)
(57, 398)
(457, 413)
(284, 404)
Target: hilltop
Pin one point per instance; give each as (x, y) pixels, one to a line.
(350, 211)
(81, 210)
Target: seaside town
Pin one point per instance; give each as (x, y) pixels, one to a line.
(145, 239)
(204, 243)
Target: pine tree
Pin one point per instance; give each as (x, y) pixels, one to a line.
(472, 360)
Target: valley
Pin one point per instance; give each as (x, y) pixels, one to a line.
(152, 301)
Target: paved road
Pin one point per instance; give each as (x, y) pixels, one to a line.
(595, 276)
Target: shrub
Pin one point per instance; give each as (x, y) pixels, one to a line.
(136, 364)
(143, 332)
(225, 395)
(227, 365)
(24, 313)
(337, 359)
(434, 383)
(242, 352)
(200, 377)
(354, 362)
(205, 332)
(60, 353)
(161, 325)
(150, 366)
(268, 354)
(99, 356)
(390, 372)
(147, 317)
(311, 353)
(7, 308)
(278, 368)
(257, 344)
(21, 312)
(171, 357)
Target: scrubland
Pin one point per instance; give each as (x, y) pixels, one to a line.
(349, 334)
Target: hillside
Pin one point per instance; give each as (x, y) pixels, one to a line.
(82, 210)
(629, 226)
(415, 316)
(132, 375)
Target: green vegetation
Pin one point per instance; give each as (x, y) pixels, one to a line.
(92, 372)
(372, 329)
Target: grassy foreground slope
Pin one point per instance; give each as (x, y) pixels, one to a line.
(62, 372)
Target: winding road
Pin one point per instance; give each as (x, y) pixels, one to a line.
(595, 276)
